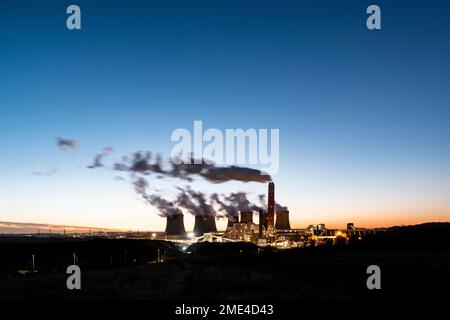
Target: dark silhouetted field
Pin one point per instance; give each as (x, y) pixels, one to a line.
(415, 263)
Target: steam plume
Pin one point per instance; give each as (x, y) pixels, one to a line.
(66, 144)
(99, 157)
(194, 202)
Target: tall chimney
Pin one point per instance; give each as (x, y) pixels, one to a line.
(271, 205)
(246, 216)
(282, 221)
(175, 225)
(204, 224)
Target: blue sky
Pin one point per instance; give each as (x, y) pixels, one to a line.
(363, 115)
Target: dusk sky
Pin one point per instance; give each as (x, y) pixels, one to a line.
(364, 116)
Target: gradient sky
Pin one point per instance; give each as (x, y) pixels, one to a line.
(364, 116)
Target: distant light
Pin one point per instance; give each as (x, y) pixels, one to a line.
(153, 235)
(184, 248)
(338, 233)
(190, 234)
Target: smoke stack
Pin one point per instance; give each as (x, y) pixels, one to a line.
(282, 222)
(271, 205)
(246, 216)
(204, 224)
(175, 225)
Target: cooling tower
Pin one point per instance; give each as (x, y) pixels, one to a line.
(246, 216)
(175, 225)
(231, 221)
(271, 205)
(204, 224)
(282, 221)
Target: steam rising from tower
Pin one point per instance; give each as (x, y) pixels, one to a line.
(197, 204)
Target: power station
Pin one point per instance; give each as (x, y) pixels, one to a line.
(239, 225)
(273, 228)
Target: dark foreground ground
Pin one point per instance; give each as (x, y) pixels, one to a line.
(411, 267)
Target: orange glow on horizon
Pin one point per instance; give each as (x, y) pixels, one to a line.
(371, 223)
